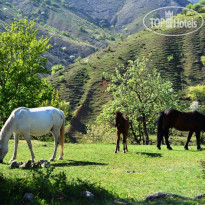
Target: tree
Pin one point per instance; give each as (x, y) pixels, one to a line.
(197, 95)
(21, 60)
(55, 101)
(56, 68)
(78, 59)
(141, 94)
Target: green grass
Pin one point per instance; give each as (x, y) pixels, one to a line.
(131, 176)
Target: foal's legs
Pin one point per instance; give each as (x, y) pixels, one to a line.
(125, 143)
(56, 142)
(166, 134)
(28, 139)
(118, 142)
(198, 140)
(188, 140)
(16, 141)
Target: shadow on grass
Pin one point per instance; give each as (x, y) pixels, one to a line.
(150, 154)
(171, 200)
(78, 163)
(190, 150)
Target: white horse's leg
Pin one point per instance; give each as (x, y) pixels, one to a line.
(16, 141)
(56, 142)
(28, 139)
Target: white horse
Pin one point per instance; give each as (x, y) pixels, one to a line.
(35, 122)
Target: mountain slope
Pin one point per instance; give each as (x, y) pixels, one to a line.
(81, 27)
(178, 59)
(73, 33)
(125, 15)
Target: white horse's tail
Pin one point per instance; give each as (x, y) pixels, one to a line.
(61, 138)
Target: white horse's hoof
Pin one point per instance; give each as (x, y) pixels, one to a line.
(60, 158)
(51, 160)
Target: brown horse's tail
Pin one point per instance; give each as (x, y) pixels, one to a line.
(159, 129)
(61, 138)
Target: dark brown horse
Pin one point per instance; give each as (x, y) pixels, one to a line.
(122, 125)
(183, 121)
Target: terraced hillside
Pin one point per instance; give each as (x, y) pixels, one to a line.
(178, 59)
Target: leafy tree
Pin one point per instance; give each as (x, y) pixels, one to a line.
(189, 6)
(121, 37)
(56, 68)
(203, 60)
(197, 7)
(21, 60)
(78, 59)
(140, 93)
(55, 101)
(196, 93)
(195, 106)
(81, 29)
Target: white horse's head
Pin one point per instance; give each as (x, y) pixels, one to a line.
(3, 151)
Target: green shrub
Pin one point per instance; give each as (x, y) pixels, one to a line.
(47, 187)
(65, 33)
(109, 48)
(78, 59)
(56, 68)
(81, 29)
(170, 58)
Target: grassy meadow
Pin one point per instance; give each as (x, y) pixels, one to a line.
(131, 176)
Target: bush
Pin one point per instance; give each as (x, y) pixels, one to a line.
(203, 60)
(47, 187)
(96, 133)
(56, 68)
(78, 59)
(81, 29)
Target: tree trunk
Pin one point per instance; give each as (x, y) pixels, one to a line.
(134, 134)
(140, 132)
(145, 129)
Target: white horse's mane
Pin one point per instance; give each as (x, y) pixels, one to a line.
(7, 126)
(9, 123)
